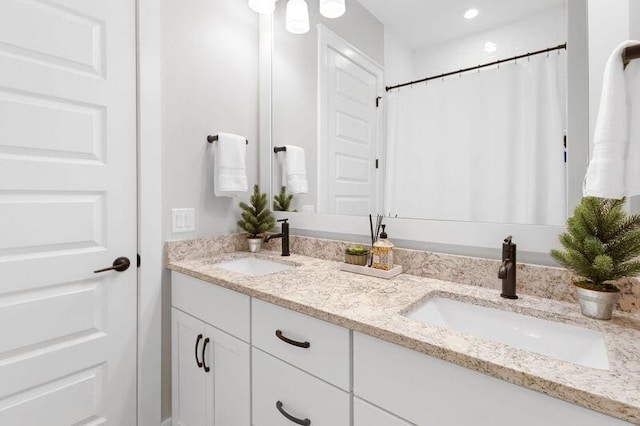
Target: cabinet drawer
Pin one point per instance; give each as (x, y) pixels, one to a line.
(280, 390)
(225, 309)
(327, 355)
(365, 414)
(429, 391)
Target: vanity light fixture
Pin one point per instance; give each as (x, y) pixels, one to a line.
(297, 17)
(490, 47)
(262, 6)
(471, 13)
(332, 8)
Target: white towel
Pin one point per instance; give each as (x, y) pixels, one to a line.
(614, 169)
(230, 166)
(294, 170)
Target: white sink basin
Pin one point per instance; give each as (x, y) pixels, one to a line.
(565, 342)
(252, 266)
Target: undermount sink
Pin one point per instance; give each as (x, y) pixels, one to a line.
(252, 266)
(565, 342)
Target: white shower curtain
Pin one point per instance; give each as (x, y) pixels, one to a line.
(486, 146)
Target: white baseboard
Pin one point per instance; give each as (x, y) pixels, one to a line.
(167, 422)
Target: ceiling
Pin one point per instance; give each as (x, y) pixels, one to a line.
(421, 23)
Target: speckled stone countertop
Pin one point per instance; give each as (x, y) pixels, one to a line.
(374, 306)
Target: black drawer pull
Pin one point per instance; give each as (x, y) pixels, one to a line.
(196, 350)
(204, 362)
(305, 345)
(305, 422)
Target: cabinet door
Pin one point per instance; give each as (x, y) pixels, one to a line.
(429, 391)
(189, 383)
(227, 360)
(365, 414)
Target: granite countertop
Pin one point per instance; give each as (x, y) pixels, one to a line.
(374, 306)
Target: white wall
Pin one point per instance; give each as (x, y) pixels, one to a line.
(398, 59)
(295, 81)
(533, 33)
(210, 85)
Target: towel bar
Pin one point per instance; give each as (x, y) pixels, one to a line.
(277, 149)
(630, 53)
(212, 139)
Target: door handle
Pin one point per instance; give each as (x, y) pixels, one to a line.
(302, 422)
(196, 350)
(280, 336)
(204, 361)
(121, 264)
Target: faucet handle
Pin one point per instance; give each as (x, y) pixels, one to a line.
(508, 240)
(282, 220)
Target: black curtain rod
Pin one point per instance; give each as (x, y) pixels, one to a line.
(477, 67)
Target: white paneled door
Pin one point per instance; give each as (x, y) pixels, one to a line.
(67, 208)
(350, 86)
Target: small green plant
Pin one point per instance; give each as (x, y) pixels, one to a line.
(256, 218)
(601, 244)
(357, 251)
(282, 201)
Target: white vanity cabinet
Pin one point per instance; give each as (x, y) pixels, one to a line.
(211, 383)
(271, 366)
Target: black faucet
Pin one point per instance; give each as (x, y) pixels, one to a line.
(284, 234)
(507, 271)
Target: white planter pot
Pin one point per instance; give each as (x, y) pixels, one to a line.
(597, 304)
(255, 244)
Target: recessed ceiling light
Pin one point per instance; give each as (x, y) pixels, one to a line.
(490, 47)
(471, 13)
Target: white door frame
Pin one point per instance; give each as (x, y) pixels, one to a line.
(150, 240)
(327, 39)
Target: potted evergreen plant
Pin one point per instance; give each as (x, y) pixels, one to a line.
(601, 245)
(282, 201)
(256, 219)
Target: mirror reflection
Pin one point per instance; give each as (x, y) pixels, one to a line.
(423, 109)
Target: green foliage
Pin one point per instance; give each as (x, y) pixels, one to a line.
(282, 201)
(256, 218)
(357, 251)
(602, 243)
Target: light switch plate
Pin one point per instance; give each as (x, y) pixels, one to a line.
(183, 220)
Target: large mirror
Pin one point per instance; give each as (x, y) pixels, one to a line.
(387, 122)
